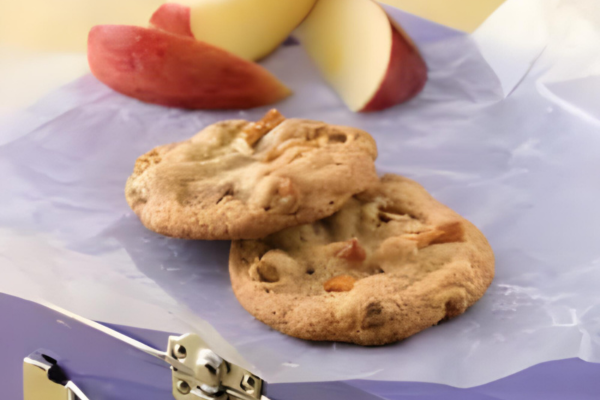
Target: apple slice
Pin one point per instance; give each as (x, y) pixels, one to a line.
(364, 56)
(173, 18)
(250, 29)
(159, 67)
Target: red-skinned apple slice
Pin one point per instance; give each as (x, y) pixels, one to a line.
(172, 70)
(366, 58)
(174, 18)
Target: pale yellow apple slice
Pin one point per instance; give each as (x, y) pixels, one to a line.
(250, 29)
(366, 58)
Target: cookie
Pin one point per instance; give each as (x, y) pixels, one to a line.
(392, 262)
(242, 180)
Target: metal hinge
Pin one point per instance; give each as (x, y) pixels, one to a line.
(212, 377)
(43, 379)
(197, 371)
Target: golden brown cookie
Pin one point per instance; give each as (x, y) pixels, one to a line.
(392, 262)
(242, 180)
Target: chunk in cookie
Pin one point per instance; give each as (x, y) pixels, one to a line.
(392, 262)
(242, 180)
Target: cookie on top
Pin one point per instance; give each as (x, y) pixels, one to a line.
(245, 180)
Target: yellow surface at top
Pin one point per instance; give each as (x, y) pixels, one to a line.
(63, 25)
(464, 15)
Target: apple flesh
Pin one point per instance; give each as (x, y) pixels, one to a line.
(250, 29)
(173, 70)
(173, 18)
(367, 59)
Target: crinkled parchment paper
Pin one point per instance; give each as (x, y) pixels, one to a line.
(523, 168)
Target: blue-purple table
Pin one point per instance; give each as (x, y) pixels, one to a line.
(105, 368)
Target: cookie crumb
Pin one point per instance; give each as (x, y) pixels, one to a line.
(340, 283)
(255, 130)
(352, 251)
(153, 157)
(267, 272)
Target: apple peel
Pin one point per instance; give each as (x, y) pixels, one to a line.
(406, 71)
(173, 18)
(159, 67)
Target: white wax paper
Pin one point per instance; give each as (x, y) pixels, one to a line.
(522, 168)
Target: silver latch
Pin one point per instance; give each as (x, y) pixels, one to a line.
(212, 378)
(43, 379)
(198, 372)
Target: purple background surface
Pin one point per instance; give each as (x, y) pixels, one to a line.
(105, 368)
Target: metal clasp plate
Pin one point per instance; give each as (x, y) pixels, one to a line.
(44, 380)
(198, 372)
(213, 378)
